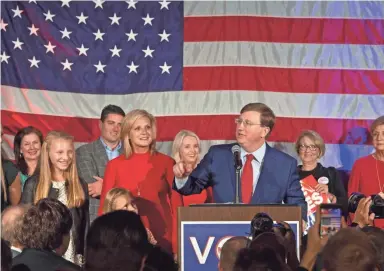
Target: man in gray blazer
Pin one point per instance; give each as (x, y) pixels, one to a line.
(93, 157)
(11, 220)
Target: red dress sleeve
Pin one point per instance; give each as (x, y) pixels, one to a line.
(354, 179)
(109, 182)
(176, 201)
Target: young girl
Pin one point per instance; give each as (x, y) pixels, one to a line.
(58, 179)
(122, 199)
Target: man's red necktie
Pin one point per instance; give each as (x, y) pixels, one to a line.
(247, 180)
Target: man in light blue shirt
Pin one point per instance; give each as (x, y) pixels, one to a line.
(92, 158)
(111, 153)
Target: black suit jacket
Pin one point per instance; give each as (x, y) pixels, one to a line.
(80, 215)
(335, 185)
(41, 260)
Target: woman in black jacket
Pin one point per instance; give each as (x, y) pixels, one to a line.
(310, 147)
(58, 179)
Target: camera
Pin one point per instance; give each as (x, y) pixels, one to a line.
(377, 205)
(262, 222)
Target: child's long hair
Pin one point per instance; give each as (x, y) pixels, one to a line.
(75, 192)
(112, 195)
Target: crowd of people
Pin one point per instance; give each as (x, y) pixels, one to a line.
(86, 208)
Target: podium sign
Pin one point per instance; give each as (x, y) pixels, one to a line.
(201, 241)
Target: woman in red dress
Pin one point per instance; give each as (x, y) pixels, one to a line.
(148, 174)
(186, 147)
(367, 176)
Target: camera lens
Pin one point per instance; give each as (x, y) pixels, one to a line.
(353, 201)
(261, 222)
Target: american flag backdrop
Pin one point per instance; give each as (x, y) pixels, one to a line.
(318, 64)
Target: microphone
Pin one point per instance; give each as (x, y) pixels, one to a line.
(236, 157)
(238, 165)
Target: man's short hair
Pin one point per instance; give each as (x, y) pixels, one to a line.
(267, 117)
(230, 250)
(376, 236)
(11, 222)
(45, 224)
(116, 241)
(350, 250)
(111, 109)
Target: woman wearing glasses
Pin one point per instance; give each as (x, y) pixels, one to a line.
(310, 147)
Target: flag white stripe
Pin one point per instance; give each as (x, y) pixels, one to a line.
(186, 103)
(284, 55)
(336, 155)
(294, 9)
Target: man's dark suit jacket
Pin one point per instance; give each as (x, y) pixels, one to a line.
(41, 260)
(278, 181)
(15, 253)
(91, 160)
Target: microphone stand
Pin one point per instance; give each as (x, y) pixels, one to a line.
(237, 190)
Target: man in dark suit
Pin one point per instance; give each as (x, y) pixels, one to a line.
(92, 158)
(267, 176)
(46, 228)
(11, 220)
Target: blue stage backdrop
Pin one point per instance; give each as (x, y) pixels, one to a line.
(201, 242)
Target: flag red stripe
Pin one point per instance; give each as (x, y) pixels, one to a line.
(212, 127)
(287, 30)
(284, 80)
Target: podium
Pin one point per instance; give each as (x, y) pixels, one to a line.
(203, 229)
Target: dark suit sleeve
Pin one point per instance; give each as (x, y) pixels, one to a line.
(29, 190)
(294, 193)
(336, 187)
(200, 177)
(85, 165)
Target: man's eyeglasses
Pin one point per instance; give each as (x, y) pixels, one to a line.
(303, 147)
(247, 123)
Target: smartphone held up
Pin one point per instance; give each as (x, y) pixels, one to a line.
(330, 219)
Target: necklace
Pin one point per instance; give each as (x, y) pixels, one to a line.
(381, 188)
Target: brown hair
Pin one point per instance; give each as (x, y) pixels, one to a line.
(75, 192)
(377, 122)
(267, 117)
(127, 124)
(45, 224)
(350, 250)
(230, 250)
(112, 195)
(178, 141)
(315, 137)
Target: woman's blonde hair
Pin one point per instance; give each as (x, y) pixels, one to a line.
(112, 195)
(178, 141)
(75, 192)
(126, 127)
(315, 137)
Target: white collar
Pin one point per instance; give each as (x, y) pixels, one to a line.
(16, 249)
(258, 154)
